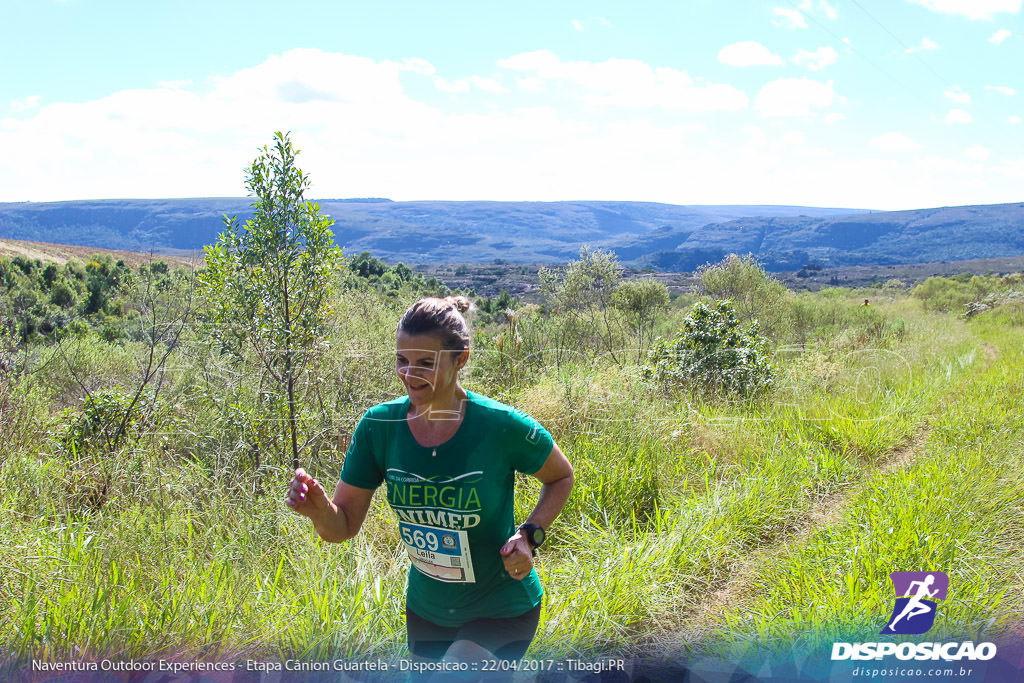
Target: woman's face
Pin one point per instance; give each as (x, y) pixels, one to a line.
(428, 371)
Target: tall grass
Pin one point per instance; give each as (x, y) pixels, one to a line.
(165, 545)
(954, 508)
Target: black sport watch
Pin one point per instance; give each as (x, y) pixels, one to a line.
(534, 534)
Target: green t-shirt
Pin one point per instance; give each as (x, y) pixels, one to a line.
(454, 508)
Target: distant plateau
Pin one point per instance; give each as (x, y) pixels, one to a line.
(663, 237)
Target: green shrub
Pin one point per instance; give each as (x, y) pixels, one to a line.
(1008, 307)
(753, 292)
(108, 419)
(955, 293)
(712, 354)
(63, 296)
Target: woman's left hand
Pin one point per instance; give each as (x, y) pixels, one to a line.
(517, 556)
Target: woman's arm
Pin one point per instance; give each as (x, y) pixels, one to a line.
(557, 478)
(335, 520)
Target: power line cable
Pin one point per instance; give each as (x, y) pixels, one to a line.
(1009, 134)
(841, 42)
(906, 48)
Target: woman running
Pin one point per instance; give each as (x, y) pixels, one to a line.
(449, 458)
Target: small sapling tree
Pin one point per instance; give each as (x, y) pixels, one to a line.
(641, 301)
(580, 297)
(269, 282)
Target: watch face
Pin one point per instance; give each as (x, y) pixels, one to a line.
(534, 534)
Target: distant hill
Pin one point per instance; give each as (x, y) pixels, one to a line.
(427, 231)
(62, 253)
(161, 225)
(885, 238)
(663, 236)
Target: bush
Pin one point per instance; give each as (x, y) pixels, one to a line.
(754, 294)
(63, 296)
(108, 419)
(955, 293)
(712, 354)
(1008, 307)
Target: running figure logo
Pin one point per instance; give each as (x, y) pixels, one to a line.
(917, 596)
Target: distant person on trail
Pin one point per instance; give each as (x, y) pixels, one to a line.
(914, 606)
(449, 458)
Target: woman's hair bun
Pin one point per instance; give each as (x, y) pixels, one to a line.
(444, 317)
(460, 303)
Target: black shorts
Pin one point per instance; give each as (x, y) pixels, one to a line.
(506, 638)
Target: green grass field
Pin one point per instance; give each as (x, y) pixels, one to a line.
(697, 525)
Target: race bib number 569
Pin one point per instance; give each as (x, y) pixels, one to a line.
(441, 554)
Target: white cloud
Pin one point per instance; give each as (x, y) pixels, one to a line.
(788, 18)
(1005, 90)
(418, 66)
(756, 137)
(1012, 169)
(894, 142)
(629, 83)
(825, 8)
(577, 25)
(973, 9)
(464, 85)
(25, 103)
(184, 83)
(834, 117)
(459, 85)
(488, 84)
(793, 138)
(926, 45)
(977, 153)
(999, 36)
(936, 163)
(793, 97)
(305, 75)
(958, 116)
(530, 84)
(173, 141)
(603, 21)
(957, 94)
(364, 133)
(817, 60)
(1014, 119)
(748, 53)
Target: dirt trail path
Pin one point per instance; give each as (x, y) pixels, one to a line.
(740, 582)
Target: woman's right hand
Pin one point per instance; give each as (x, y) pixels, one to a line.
(306, 496)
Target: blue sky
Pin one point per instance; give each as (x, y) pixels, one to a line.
(893, 104)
